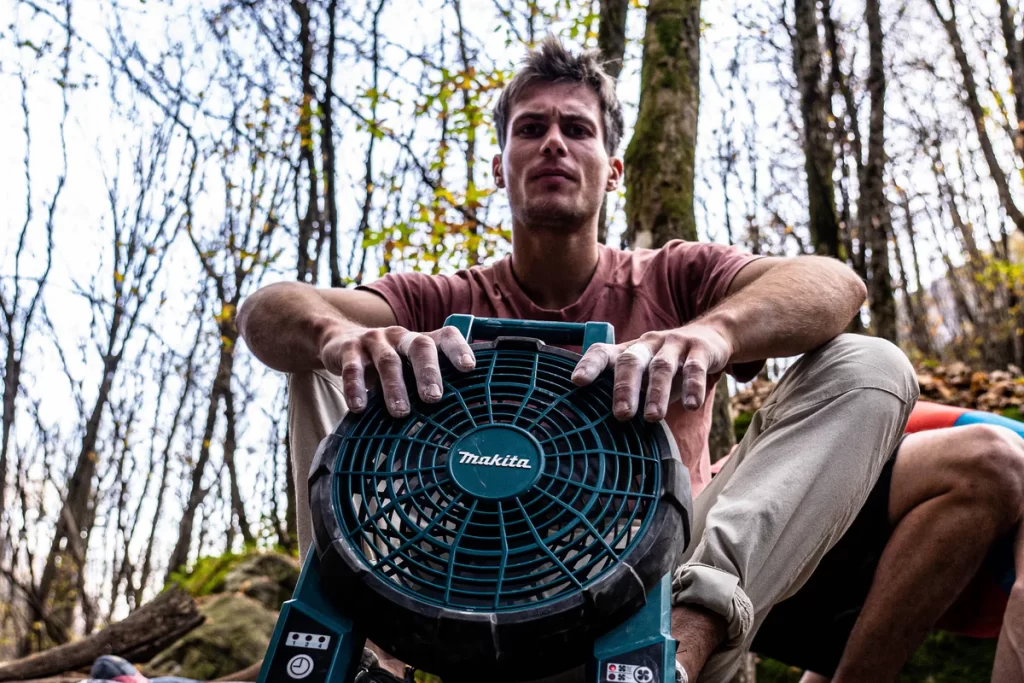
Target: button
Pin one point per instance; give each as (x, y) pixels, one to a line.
(643, 675)
(300, 666)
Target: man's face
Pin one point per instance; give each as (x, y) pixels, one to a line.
(554, 165)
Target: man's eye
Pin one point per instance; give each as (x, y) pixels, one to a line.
(577, 131)
(529, 129)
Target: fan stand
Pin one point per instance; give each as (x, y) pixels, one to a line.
(315, 641)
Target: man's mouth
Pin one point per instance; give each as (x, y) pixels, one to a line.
(549, 174)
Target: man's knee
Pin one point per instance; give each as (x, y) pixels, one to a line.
(852, 361)
(991, 469)
(880, 361)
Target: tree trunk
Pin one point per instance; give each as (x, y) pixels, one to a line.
(327, 142)
(309, 223)
(873, 210)
(978, 114)
(819, 157)
(611, 41)
(722, 437)
(917, 305)
(611, 35)
(1015, 61)
(660, 156)
(179, 556)
(12, 379)
(291, 510)
(67, 551)
(230, 445)
(157, 624)
(147, 560)
(659, 161)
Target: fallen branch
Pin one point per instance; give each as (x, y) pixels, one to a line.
(144, 632)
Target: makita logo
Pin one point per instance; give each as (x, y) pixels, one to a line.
(494, 460)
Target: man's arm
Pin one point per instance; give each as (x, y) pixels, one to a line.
(286, 324)
(778, 307)
(293, 327)
(773, 308)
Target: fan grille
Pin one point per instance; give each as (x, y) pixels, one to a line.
(408, 521)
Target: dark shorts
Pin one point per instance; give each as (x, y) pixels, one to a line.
(810, 629)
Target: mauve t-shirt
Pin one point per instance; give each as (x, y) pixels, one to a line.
(636, 291)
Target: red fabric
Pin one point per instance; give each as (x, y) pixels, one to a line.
(978, 610)
(636, 291)
(926, 416)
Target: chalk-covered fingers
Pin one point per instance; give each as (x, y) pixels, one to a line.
(630, 362)
(671, 362)
(661, 375)
(356, 352)
(382, 346)
(454, 347)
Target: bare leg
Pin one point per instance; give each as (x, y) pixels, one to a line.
(954, 491)
(1009, 662)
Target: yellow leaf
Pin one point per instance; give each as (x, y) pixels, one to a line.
(227, 312)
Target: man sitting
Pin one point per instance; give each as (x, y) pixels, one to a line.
(685, 314)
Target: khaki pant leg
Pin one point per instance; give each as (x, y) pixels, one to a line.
(315, 406)
(794, 485)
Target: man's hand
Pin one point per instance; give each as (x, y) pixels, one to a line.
(674, 362)
(350, 351)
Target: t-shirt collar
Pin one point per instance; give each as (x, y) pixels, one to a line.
(575, 311)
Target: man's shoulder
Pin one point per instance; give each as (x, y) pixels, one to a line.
(463, 275)
(635, 264)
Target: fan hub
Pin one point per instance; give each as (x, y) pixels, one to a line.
(495, 462)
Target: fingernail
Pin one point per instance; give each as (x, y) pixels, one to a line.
(433, 391)
(400, 406)
(621, 408)
(468, 361)
(356, 404)
(690, 403)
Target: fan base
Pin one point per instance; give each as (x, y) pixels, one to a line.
(317, 642)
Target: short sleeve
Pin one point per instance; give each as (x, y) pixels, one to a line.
(420, 302)
(699, 275)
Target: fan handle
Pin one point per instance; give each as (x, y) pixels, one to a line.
(569, 334)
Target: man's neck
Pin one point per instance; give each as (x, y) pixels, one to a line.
(552, 269)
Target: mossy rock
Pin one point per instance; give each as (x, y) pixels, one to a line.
(208, 574)
(234, 636)
(267, 577)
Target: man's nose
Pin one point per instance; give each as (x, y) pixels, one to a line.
(554, 143)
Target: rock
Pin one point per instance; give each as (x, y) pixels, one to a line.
(235, 635)
(269, 578)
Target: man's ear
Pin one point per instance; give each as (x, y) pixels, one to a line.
(614, 174)
(499, 178)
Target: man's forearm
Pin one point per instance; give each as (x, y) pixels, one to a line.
(283, 325)
(793, 308)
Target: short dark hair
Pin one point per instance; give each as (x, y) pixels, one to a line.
(551, 62)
